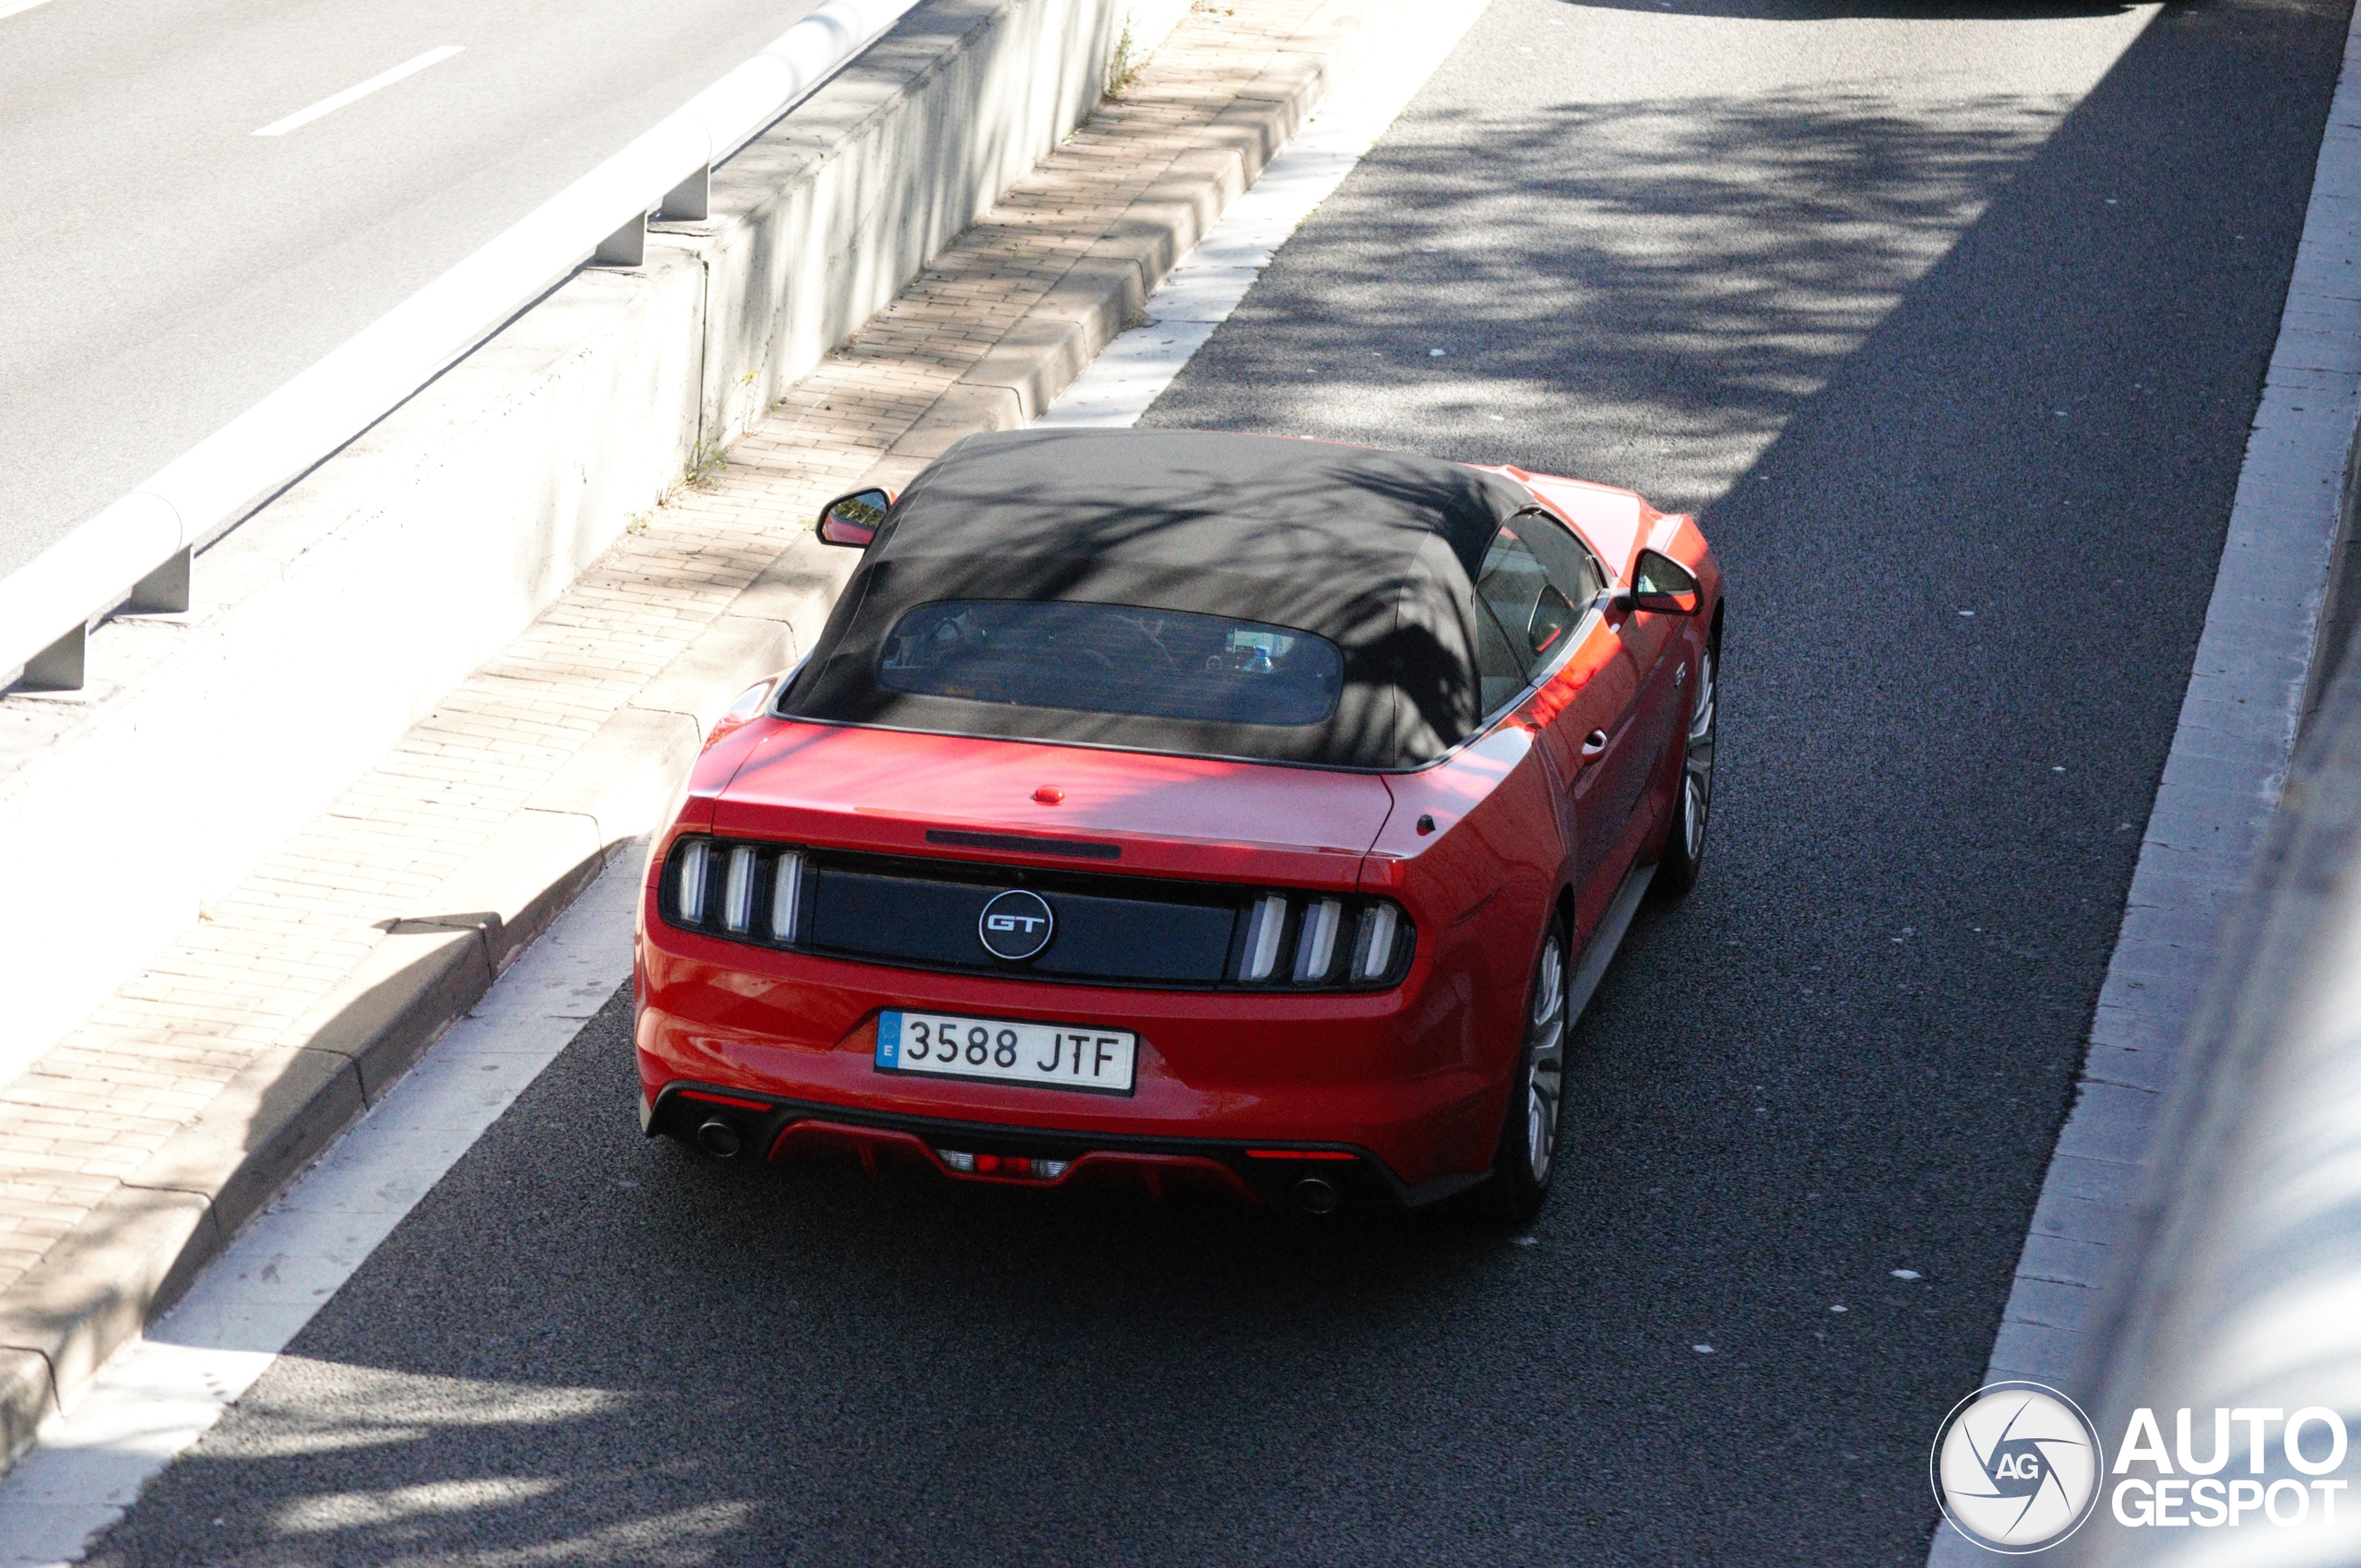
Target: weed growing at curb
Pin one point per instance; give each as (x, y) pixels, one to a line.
(1124, 64)
(706, 469)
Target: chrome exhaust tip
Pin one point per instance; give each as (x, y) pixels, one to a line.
(718, 1138)
(1317, 1195)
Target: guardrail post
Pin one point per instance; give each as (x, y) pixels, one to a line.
(58, 667)
(627, 246)
(691, 201)
(163, 591)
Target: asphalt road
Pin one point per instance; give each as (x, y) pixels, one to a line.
(1923, 327)
(166, 268)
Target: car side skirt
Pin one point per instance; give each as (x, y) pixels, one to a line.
(1600, 951)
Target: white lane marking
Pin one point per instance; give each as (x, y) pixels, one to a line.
(1199, 293)
(10, 7)
(162, 1392)
(335, 102)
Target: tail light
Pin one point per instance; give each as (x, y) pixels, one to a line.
(1373, 947)
(787, 896)
(1316, 947)
(762, 894)
(1034, 1166)
(686, 877)
(1321, 943)
(752, 892)
(738, 893)
(1266, 922)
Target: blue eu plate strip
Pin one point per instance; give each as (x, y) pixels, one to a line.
(889, 1039)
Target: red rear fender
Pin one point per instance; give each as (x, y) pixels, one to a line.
(1479, 884)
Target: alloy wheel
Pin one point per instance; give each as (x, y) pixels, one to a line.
(1697, 762)
(1545, 1083)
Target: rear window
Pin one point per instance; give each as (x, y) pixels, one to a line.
(1113, 658)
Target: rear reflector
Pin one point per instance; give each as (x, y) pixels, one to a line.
(722, 1099)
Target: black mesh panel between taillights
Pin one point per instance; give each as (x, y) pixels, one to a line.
(1107, 929)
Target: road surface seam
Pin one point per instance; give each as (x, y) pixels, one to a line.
(2229, 757)
(131, 1151)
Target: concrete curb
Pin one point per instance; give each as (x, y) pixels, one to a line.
(132, 1258)
(2244, 1287)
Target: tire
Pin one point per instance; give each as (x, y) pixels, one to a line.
(1527, 1156)
(1684, 840)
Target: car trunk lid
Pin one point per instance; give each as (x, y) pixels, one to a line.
(945, 797)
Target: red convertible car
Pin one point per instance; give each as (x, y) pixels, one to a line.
(1187, 807)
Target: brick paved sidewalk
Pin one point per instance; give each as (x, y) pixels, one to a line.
(983, 339)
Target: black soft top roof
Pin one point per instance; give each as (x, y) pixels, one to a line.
(1377, 552)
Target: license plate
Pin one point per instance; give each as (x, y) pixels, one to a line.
(1058, 1056)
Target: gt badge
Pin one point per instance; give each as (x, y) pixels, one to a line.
(1016, 925)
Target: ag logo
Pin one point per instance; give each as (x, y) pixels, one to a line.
(2016, 1466)
(1016, 925)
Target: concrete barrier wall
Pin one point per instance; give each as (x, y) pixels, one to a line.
(2244, 1293)
(340, 614)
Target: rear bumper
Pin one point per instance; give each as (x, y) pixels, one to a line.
(781, 1129)
(1396, 1077)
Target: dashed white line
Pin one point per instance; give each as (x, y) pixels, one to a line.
(335, 102)
(10, 7)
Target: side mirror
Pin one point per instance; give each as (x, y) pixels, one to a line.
(1664, 585)
(854, 519)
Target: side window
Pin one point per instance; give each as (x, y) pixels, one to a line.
(1569, 564)
(1510, 610)
(1499, 667)
(1537, 584)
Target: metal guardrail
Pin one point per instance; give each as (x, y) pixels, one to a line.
(135, 553)
(2243, 1297)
